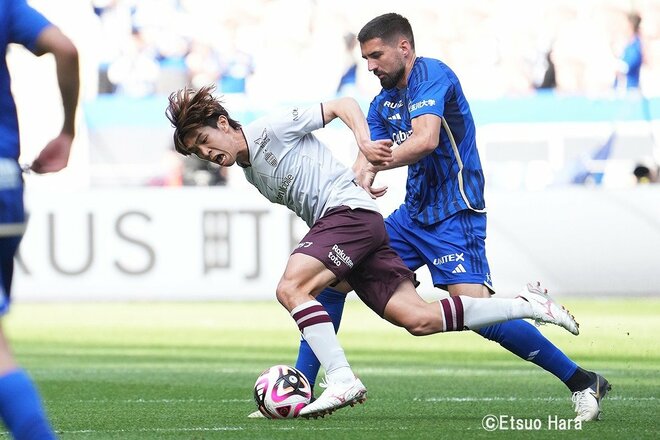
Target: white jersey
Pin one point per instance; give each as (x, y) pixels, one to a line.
(291, 167)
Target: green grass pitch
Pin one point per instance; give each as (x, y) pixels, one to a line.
(186, 371)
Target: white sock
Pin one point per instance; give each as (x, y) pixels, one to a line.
(461, 312)
(317, 329)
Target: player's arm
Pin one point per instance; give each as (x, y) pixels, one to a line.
(365, 175)
(423, 140)
(348, 110)
(55, 155)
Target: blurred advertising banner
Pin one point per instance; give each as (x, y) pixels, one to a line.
(222, 243)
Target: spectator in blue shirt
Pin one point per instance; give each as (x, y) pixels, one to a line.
(631, 60)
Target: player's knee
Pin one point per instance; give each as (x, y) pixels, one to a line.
(419, 329)
(422, 324)
(286, 293)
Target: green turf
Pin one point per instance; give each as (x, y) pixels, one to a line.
(186, 371)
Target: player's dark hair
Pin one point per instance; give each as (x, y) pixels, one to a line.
(388, 27)
(189, 110)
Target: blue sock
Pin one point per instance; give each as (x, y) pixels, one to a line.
(333, 301)
(21, 409)
(524, 340)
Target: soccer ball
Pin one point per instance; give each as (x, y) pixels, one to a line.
(281, 392)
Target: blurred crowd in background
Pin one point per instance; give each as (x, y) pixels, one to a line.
(499, 47)
(265, 52)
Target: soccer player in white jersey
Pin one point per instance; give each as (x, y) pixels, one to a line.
(288, 164)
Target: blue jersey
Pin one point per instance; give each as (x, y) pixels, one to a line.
(450, 179)
(21, 24)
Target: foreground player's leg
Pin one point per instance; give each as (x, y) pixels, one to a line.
(342, 388)
(304, 277)
(407, 309)
(307, 363)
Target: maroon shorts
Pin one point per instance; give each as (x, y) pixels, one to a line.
(353, 244)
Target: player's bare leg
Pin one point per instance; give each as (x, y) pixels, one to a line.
(304, 277)
(407, 309)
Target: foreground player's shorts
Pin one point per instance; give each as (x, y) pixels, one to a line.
(353, 245)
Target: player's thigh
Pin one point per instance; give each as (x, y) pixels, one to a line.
(378, 276)
(407, 309)
(303, 276)
(465, 289)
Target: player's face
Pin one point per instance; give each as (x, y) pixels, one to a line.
(385, 61)
(211, 144)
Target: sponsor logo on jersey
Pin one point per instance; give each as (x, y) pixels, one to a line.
(395, 117)
(420, 104)
(400, 136)
(281, 190)
(270, 158)
(304, 244)
(390, 104)
(262, 142)
(295, 113)
(338, 256)
(448, 258)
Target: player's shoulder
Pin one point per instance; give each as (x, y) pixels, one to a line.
(430, 69)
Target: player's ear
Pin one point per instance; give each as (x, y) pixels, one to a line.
(404, 47)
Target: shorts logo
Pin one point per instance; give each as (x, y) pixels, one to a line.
(337, 256)
(459, 269)
(295, 114)
(447, 258)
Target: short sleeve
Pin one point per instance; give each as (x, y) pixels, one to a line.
(25, 24)
(296, 122)
(428, 97)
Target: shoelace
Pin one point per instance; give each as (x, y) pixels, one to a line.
(581, 401)
(324, 382)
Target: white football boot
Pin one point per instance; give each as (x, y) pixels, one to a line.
(587, 402)
(336, 395)
(256, 415)
(545, 309)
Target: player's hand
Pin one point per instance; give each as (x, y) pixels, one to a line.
(54, 156)
(377, 152)
(365, 177)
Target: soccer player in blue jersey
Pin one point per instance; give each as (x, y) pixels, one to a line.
(442, 222)
(20, 406)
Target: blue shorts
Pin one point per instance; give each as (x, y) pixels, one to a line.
(454, 250)
(12, 224)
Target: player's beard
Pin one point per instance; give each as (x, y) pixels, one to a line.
(390, 81)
